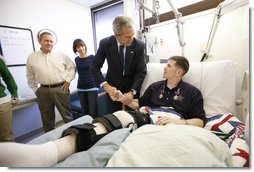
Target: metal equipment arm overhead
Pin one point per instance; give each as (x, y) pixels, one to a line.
(179, 26)
(148, 9)
(154, 13)
(222, 8)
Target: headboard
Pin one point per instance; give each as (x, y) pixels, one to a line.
(216, 80)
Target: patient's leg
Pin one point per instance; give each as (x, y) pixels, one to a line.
(88, 134)
(24, 155)
(41, 155)
(48, 154)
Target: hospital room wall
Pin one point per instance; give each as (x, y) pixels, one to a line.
(68, 20)
(231, 40)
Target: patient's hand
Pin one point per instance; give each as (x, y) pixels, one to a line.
(134, 104)
(164, 120)
(126, 100)
(119, 96)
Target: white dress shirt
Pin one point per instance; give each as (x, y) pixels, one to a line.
(47, 69)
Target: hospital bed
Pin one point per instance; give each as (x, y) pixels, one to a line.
(221, 143)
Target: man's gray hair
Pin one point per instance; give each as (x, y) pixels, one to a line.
(44, 33)
(120, 22)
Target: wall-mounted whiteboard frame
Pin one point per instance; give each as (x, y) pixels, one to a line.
(15, 45)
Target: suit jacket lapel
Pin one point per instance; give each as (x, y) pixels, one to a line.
(128, 57)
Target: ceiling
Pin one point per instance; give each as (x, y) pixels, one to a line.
(89, 3)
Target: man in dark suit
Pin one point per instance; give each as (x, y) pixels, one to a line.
(126, 75)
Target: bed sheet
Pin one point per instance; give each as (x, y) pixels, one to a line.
(171, 146)
(97, 156)
(232, 151)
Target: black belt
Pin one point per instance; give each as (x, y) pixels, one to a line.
(53, 85)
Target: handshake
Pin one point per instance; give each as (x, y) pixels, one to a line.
(125, 99)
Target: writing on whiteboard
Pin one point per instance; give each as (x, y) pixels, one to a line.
(15, 44)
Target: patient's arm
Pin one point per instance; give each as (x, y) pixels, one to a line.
(132, 103)
(164, 120)
(123, 98)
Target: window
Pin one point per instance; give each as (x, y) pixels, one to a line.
(103, 17)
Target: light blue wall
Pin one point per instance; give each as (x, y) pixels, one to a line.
(26, 120)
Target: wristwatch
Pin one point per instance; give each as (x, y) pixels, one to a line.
(134, 92)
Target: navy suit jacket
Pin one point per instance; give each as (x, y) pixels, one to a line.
(135, 66)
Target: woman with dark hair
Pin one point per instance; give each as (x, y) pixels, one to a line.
(87, 90)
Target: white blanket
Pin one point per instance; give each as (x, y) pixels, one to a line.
(171, 146)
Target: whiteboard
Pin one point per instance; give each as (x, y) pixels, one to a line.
(15, 45)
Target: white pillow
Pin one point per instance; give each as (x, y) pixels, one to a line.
(218, 87)
(215, 80)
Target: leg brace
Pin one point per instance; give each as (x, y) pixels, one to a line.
(86, 135)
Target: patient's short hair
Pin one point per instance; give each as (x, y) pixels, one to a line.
(181, 62)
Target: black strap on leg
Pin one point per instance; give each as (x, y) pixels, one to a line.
(87, 137)
(85, 134)
(140, 118)
(110, 122)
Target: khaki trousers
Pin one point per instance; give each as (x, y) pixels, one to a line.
(6, 134)
(48, 99)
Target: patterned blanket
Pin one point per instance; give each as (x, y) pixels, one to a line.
(233, 129)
